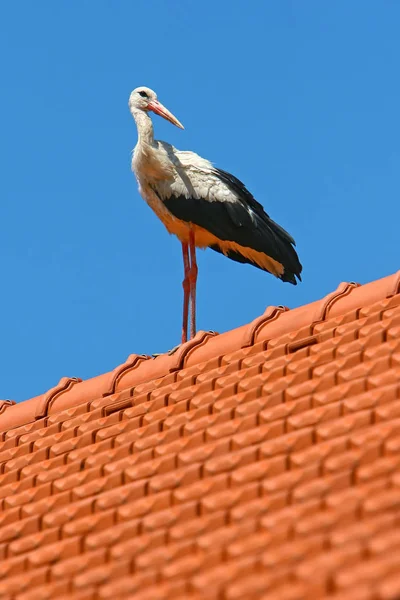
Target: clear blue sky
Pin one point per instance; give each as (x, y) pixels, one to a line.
(298, 99)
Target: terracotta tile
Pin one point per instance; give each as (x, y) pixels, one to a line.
(100, 575)
(373, 571)
(358, 592)
(138, 547)
(126, 461)
(159, 558)
(19, 584)
(88, 594)
(319, 453)
(230, 462)
(169, 516)
(28, 496)
(10, 477)
(380, 468)
(169, 416)
(390, 588)
(196, 527)
(47, 591)
(142, 507)
(16, 487)
(198, 490)
(97, 486)
(330, 563)
(60, 471)
(292, 553)
(27, 426)
(35, 541)
(90, 524)
(51, 553)
(114, 535)
(127, 585)
(224, 537)
(295, 441)
(383, 502)
(203, 453)
(163, 591)
(218, 577)
(280, 524)
(229, 499)
(339, 392)
(249, 587)
(67, 512)
(356, 496)
(7, 517)
(344, 426)
(101, 454)
(257, 508)
(70, 481)
(388, 412)
(256, 434)
(12, 566)
(247, 403)
(392, 446)
(153, 440)
(25, 460)
(38, 434)
(362, 530)
(290, 591)
(121, 427)
(41, 507)
(41, 466)
(259, 471)
(14, 452)
(68, 445)
(283, 411)
(314, 417)
(385, 543)
(68, 413)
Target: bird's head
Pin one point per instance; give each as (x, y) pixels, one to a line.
(144, 99)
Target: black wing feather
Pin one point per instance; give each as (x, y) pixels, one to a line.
(243, 221)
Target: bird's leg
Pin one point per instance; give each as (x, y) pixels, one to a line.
(186, 290)
(193, 281)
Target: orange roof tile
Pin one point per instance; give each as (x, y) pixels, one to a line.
(262, 463)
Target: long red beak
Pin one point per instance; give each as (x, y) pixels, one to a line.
(159, 109)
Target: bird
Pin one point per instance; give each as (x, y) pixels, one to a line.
(204, 206)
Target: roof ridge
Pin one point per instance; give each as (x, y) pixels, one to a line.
(276, 321)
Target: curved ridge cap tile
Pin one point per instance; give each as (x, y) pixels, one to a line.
(63, 386)
(4, 404)
(132, 362)
(366, 294)
(289, 320)
(395, 288)
(270, 314)
(163, 364)
(325, 304)
(218, 345)
(19, 414)
(84, 391)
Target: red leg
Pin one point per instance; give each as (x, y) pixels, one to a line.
(193, 281)
(186, 290)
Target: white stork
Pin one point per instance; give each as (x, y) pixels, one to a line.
(204, 207)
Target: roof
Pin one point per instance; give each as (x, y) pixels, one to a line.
(260, 463)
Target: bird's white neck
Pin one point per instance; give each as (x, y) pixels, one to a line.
(144, 126)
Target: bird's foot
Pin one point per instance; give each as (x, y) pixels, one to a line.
(174, 349)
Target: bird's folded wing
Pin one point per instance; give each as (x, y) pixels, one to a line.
(218, 202)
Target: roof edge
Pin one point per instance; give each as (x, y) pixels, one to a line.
(137, 369)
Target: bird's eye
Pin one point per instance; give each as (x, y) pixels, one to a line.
(143, 94)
